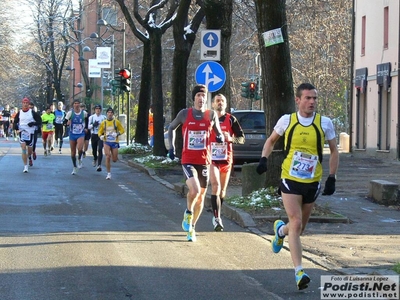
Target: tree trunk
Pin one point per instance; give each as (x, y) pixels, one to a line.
(141, 134)
(156, 92)
(277, 83)
(184, 40)
(219, 16)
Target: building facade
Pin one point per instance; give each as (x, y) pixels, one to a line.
(375, 115)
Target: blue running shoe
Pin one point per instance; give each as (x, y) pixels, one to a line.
(302, 280)
(191, 235)
(277, 242)
(187, 221)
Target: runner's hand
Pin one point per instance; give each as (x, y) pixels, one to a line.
(102, 137)
(329, 186)
(262, 165)
(219, 139)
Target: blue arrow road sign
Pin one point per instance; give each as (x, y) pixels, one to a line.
(211, 74)
(210, 40)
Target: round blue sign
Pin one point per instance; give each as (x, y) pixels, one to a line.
(210, 40)
(211, 74)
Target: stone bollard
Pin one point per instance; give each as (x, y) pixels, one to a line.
(251, 181)
(383, 192)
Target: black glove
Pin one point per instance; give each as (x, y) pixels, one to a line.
(171, 154)
(262, 165)
(30, 124)
(95, 123)
(219, 139)
(329, 186)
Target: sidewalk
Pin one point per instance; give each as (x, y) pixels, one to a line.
(369, 244)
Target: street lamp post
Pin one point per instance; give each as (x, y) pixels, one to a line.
(103, 22)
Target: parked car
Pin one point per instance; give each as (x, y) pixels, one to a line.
(253, 125)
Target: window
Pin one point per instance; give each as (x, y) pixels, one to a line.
(386, 27)
(363, 33)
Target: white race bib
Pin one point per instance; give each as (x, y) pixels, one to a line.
(219, 151)
(197, 140)
(303, 165)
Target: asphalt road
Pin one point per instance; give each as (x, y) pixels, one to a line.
(84, 237)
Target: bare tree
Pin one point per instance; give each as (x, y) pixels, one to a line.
(184, 37)
(276, 75)
(51, 34)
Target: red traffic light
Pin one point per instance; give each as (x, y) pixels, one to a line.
(252, 86)
(125, 73)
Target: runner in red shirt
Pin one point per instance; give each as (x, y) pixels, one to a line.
(222, 157)
(197, 124)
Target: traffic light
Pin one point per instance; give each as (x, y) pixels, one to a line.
(245, 90)
(125, 80)
(252, 90)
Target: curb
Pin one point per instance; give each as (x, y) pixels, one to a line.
(241, 217)
(238, 215)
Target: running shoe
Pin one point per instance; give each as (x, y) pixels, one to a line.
(187, 221)
(191, 235)
(59, 151)
(34, 155)
(48, 152)
(302, 280)
(25, 169)
(45, 152)
(30, 162)
(74, 170)
(51, 149)
(217, 223)
(108, 176)
(80, 164)
(94, 163)
(98, 169)
(277, 242)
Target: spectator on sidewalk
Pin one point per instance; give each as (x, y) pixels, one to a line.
(222, 157)
(197, 124)
(305, 132)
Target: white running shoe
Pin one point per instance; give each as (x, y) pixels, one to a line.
(80, 164)
(108, 176)
(217, 223)
(94, 163)
(74, 171)
(25, 169)
(59, 151)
